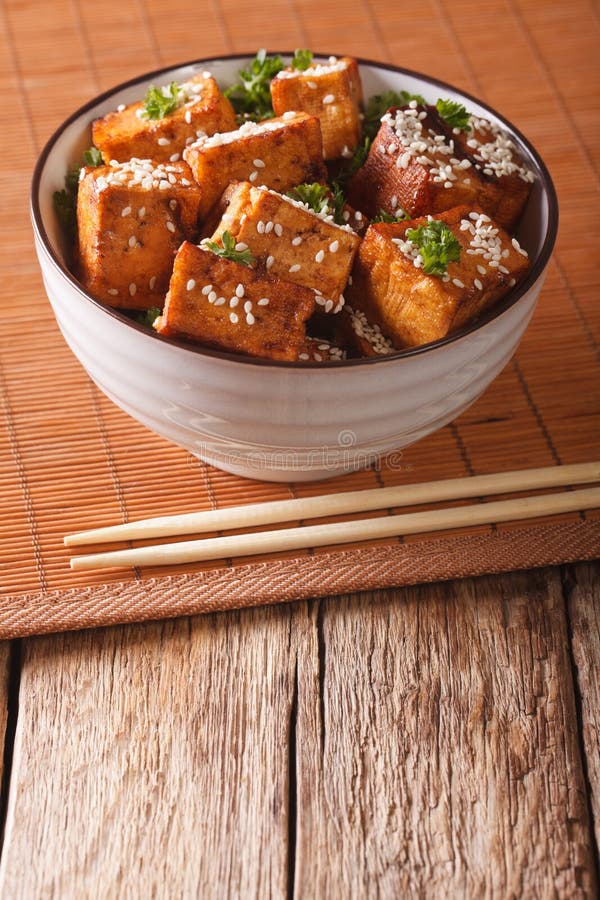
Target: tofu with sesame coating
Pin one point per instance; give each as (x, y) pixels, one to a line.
(359, 337)
(127, 132)
(292, 242)
(332, 91)
(278, 153)
(411, 307)
(226, 305)
(131, 218)
(418, 163)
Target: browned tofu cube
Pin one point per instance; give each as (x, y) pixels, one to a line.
(360, 337)
(331, 91)
(495, 157)
(416, 162)
(278, 153)
(292, 242)
(320, 350)
(131, 219)
(411, 307)
(224, 304)
(201, 109)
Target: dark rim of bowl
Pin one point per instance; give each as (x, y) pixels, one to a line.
(506, 303)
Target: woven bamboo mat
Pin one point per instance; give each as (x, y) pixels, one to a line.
(69, 459)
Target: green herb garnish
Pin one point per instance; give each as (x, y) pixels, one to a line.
(338, 201)
(65, 201)
(148, 316)
(159, 102)
(379, 104)
(437, 246)
(400, 216)
(228, 251)
(454, 114)
(251, 96)
(315, 196)
(302, 60)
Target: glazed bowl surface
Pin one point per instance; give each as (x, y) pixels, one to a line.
(282, 421)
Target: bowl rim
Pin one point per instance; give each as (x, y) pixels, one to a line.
(507, 302)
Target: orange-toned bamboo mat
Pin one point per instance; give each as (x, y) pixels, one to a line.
(70, 460)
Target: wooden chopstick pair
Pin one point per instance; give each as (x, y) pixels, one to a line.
(337, 504)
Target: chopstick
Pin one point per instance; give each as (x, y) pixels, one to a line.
(343, 532)
(345, 502)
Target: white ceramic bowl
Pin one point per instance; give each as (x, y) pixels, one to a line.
(283, 421)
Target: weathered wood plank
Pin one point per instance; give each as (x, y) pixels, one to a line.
(442, 756)
(152, 761)
(584, 615)
(6, 648)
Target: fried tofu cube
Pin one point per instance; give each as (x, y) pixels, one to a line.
(131, 219)
(413, 308)
(331, 91)
(226, 305)
(292, 242)
(278, 153)
(418, 164)
(201, 109)
(320, 350)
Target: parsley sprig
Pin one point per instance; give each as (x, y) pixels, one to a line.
(65, 201)
(379, 104)
(251, 95)
(321, 198)
(437, 245)
(400, 216)
(228, 251)
(148, 316)
(159, 102)
(302, 60)
(454, 114)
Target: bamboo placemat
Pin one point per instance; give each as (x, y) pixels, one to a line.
(69, 459)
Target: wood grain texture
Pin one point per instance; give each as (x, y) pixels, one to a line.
(583, 585)
(443, 756)
(152, 761)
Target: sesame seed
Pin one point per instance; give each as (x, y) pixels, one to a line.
(163, 185)
(113, 292)
(186, 182)
(240, 246)
(248, 306)
(250, 319)
(120, 108)
(219, 301)
(207, 289)
(259, 163)
(268, 228)
(171, 178)
(278, 229)
(295, 268)
(313, 86)
(457, 282)
(239, 291)
(253, 175)
(260, 227)
(270, 261)
(171, 227)
(234, 302)
(212, 297)
(132, 240)
(447, 184)
(503, 269)
(296, 241)
(126, 211)
(173, 204)
(334, 246)
(303, 356)
(328, 98)
(132, 289)
(328, 305)
(191, 284)
(152, 282)
(188, 116)
(163, 142)
(320, 256)
(477, 284)
(233, 318)
(512, 282)
(481, 270)
(264, 301)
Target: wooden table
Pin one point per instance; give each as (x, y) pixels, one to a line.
(429, 741)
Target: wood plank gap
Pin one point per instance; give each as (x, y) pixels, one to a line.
(297, 16)
(568, 579)
(322, 654)
(377, 29)
(575, 304)
(19, 76)
(536, 411)
(12, 716)
(461, 48)
(150, 33)
(85, 40)
(222, 23)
